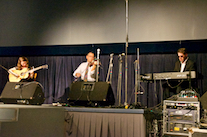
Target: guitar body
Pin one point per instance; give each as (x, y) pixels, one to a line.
(18, 75)
(13, 78)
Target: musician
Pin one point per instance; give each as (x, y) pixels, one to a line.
(22, 65)
(183, 64)
(86, 70)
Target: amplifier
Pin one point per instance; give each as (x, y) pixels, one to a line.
(23, 93)
(179, 116)
(82, 93)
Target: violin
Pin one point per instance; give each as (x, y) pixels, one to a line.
(94, 62)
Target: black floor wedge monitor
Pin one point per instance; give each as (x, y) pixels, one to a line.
(82, 93)
(22, 93)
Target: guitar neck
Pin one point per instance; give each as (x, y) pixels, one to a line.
(35, 69)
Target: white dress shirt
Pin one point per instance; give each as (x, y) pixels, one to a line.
(183, 65)
(82, 69)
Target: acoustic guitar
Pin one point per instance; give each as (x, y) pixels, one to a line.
(17, 75)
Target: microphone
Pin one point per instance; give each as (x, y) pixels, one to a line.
(18, 86)
(136, 61)
(122, 54)
(98, 53)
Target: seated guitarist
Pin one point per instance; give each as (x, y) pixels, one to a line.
(22, 66)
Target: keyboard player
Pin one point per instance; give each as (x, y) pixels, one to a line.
(182, 65)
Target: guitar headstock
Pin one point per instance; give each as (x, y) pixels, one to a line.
(45, 66)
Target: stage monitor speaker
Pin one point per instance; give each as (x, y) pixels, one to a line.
(96, 92)
(203, 101)
(23, 93)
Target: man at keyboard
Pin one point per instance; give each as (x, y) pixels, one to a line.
(182, 65)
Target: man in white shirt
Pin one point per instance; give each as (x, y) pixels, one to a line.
(86, 70)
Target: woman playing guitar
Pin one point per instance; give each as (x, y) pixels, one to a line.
(22, 66)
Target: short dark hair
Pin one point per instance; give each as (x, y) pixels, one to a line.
(90, 52)
(182, 50)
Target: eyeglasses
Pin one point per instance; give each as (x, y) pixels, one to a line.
(180, 56)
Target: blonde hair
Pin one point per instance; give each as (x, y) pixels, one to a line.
(19, 66)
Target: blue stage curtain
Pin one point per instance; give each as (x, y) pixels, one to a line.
(57, 79)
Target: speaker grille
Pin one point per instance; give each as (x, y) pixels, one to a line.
(99, 92)
(22, 93)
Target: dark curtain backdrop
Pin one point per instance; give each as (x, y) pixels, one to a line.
(57, 79)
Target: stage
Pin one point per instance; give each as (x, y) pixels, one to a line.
(47, 120)
(106, 122)
(31, 121)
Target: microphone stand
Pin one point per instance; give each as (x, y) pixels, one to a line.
(110, 69)
(126, 68)
(137, 77)
(119, 78)
(21, 86)
(97, 67)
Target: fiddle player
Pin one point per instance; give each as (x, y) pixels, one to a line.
(86, 70)
(22, 66)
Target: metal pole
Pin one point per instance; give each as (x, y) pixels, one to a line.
(136, 82)
(97, 67)
(126, 68)
(139, 92)
(137, 77)
(119, 79)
